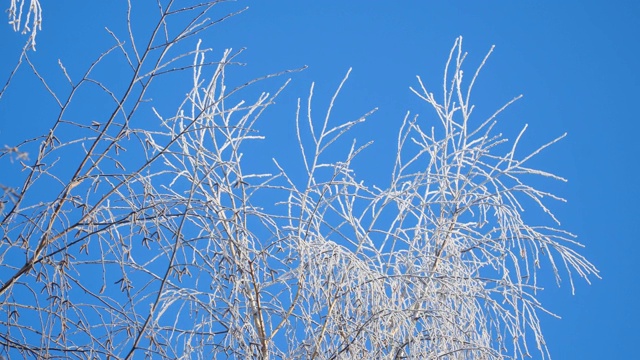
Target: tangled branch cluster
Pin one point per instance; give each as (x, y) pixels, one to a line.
(160, 240)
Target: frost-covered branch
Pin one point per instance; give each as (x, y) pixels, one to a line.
(146, 228)
(26, 15)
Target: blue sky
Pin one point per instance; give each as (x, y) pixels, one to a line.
(574, 61)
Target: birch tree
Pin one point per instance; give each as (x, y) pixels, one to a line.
(142, 232)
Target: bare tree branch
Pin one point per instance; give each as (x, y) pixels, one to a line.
(145, 230)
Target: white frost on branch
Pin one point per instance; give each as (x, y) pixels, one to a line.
(163, 237)
(32, 20)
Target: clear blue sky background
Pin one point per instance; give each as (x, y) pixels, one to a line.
(576, 62)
